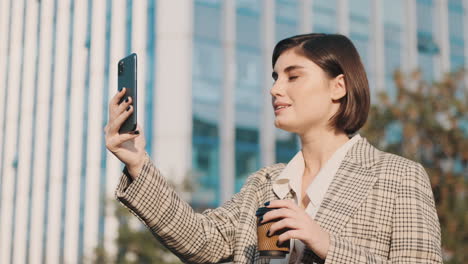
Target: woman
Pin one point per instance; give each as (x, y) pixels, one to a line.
(342, 200)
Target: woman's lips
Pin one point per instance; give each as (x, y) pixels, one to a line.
(281, 108)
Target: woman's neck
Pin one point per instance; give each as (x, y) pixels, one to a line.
(318, 147)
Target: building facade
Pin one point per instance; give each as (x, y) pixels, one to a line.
(204, 73)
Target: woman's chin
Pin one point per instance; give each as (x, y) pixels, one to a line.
(281, 124)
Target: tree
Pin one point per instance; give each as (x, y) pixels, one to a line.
(135, 242)
(428, 123)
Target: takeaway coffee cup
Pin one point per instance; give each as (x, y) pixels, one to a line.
(268, 245)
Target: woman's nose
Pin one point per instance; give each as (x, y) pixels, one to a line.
(276, 90)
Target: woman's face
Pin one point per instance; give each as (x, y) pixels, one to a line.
(303, 96)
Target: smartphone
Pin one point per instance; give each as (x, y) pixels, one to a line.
(127, 77)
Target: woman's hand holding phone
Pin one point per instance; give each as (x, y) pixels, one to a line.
(127, 147)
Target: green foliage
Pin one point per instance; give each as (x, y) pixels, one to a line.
(135, 243)
(139, 242)
(428, 123)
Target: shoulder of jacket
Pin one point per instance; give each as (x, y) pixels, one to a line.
(269, 172)
(390, 158)
(399, 166)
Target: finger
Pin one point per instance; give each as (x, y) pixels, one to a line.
(139, 128)
(289, 223)
(116, 98)
(119, 120)
(291, 234)
(123, 106)
(126, 136)
(114, 106)
(282, 204)
(278, 213)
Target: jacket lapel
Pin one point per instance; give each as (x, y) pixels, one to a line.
(350, 186)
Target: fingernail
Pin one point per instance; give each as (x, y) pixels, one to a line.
(261, 218)
(267, 203)
(126, 100)
(128, 108)
(136, 132)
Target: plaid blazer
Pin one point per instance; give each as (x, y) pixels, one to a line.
(379, 208)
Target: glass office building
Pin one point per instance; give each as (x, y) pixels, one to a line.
(204, 104)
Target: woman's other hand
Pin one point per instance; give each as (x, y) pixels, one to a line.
(301, 226)
(129, 148)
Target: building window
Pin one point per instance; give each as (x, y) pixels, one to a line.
(206, 92)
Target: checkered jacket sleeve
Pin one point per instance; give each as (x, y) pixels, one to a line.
(196, 238)
(415, 228)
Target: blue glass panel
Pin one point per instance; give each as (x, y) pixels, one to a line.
(286, 147)
(248, 78)
(456, 4)
(129, 26)
(63, 212)
(248, 33)
(360, 27)
(252, 7)
(18, 136)
(207, 77)
(212, 3)
(208, 21)
(393, 12)
(205, 155)
(103, 173)
(287, 24)
(207, 61)
(427, 47)
(425, 15)
(287, 10)
(48, 158)
(33, 138)
(426, 64)
(457, 42)
(84, 139)
(393, 30)
(150, 70)
(324, 16)
(247, 154)
(286, 17)
(248, 92)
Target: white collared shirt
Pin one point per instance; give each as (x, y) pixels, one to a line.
(291, 179)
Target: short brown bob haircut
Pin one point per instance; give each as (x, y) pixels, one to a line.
(335, 54)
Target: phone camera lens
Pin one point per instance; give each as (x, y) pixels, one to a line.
(121, 68)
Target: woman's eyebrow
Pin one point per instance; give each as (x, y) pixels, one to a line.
(274, 74)
(292, 67)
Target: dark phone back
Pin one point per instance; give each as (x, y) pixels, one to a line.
(127, 77)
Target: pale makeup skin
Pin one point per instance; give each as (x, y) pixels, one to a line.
(304, 98)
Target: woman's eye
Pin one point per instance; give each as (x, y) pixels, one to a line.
(292, 78)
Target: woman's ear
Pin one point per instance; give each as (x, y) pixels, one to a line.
(338, 88)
